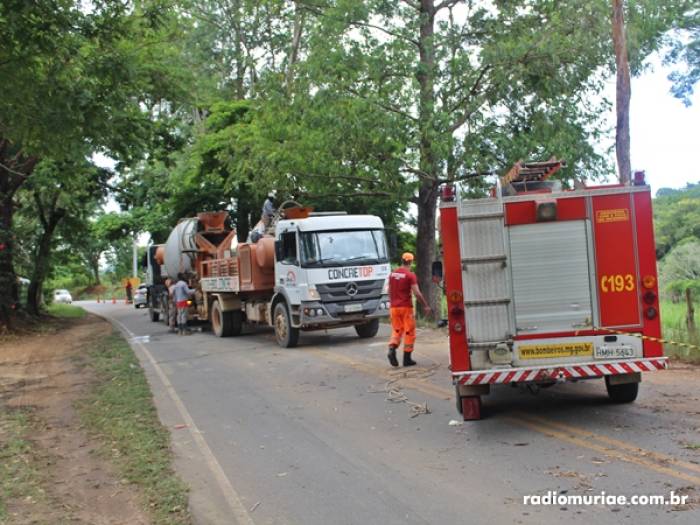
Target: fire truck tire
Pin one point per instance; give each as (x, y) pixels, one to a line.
(367, 330)
(287, 336)
(221, 322)
(625, 393)
(471, 407)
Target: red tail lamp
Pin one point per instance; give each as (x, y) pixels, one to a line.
(448, 193)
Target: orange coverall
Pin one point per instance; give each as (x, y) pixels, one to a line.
(403, 326)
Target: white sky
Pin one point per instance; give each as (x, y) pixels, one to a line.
(664, 134)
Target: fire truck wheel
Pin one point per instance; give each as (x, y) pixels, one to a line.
(367, 330)
(471, 408)
(625, 393)
(287, 336)
(221, 322)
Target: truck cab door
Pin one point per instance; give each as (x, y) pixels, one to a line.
(287, 268)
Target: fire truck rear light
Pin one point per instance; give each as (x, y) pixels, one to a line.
(456, 310)
(448, 193)
(546, 211)
(648, 281)
(457, 327)
(651, 313)
(649, 297)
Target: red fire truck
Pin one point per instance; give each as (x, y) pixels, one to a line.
(546, 285)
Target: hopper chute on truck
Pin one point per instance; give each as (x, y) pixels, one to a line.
(545, 285)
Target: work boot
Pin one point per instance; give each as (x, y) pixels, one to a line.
(407, 361)
(392, 356)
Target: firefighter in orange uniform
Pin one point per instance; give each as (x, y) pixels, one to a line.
(402, 282)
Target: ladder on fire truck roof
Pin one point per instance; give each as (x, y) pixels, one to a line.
(533, 174)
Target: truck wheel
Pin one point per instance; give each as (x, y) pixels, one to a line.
(367, 330)
(221, 322)
(287, 336)
(236, 322)
(155, 315)
(625, 393)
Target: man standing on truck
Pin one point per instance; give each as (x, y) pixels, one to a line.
(402, 282)
(181, 295)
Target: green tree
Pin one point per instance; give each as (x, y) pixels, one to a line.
(73, 77)
(676, 217)
(685, 54)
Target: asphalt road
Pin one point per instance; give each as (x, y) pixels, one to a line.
(324, 434)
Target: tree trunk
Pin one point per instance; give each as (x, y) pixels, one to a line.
(427, 193)
(296, 43)
(95, 265)
(624, 92)
(41, 261)
(9, 293)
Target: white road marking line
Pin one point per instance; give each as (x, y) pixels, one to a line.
(240, 513)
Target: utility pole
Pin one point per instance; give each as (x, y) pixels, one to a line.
(134, 260)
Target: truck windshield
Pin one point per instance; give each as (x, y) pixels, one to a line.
(341, 248)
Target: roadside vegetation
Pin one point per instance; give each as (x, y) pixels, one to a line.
(115, 408)
(677, 228)
(20, 470)
(119, 410)
(66, 310)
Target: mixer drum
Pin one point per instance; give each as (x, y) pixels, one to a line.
(181, 248)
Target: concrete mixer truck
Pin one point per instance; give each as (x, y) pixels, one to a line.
(311, 271)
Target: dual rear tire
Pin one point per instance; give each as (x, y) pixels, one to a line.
(624, 393)
(225, 323)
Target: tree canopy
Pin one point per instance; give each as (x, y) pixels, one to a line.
(363, 106)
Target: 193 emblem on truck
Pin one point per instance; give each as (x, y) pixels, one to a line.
(351, 289)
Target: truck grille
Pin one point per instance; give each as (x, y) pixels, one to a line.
(338, 292)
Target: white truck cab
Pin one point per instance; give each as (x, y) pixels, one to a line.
(331, 270)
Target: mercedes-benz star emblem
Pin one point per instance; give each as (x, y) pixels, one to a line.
(351, 289)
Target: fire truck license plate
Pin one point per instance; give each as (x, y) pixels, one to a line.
(548, 351)
(353, 307)
(609, 351)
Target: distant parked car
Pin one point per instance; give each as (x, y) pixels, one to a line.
(62, 296)
(140, 296)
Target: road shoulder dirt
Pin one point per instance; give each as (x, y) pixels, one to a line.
(59, 465)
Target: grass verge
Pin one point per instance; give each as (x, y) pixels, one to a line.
(675, 329)
(120, 411)
(66, 310)
(20, 474)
